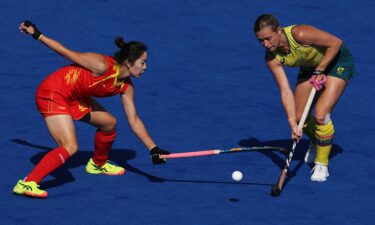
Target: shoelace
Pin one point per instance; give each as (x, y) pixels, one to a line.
(107, 164)
(27, 187)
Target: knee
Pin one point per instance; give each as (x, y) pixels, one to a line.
(110, 125)
(113, 124)
(322, 119)
(72, 148)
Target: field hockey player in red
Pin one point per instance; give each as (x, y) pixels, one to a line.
(67, 95)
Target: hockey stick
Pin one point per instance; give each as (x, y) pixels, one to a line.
(276, 189)
(221, 151)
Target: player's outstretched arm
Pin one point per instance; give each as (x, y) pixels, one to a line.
(92, 61)
(138, 127)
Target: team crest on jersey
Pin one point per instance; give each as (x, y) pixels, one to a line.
(72, 76)
(340, 70)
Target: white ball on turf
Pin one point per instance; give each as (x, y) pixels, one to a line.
(237, 176)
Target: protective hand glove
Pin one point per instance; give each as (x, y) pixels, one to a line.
(36, 34)
(155, 155)
(318, 79)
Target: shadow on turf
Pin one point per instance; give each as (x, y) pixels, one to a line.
(122, 156)
(62, 175)
(279, 159)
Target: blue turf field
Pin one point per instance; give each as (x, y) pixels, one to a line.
(206, 87)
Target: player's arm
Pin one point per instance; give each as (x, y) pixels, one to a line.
(92, 61)
(311, 36)
(138, 127)
(286, 94)
(134, 120)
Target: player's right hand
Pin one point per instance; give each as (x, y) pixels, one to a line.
(155, 155)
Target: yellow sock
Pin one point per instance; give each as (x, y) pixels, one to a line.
(324, 137)
(309, 128)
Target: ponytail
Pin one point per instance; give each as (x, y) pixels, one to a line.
(130, 51)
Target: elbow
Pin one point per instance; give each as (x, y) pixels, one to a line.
(100, 68)
(338, 42)
(133, 124)
(286, 94)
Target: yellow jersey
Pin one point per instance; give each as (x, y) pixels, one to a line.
(299, 55)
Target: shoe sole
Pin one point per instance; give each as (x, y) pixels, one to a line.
(316, 180)
(110, 174)
(31, 195)
(319, 180)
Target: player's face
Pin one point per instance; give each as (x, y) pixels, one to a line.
(268, 38)
(139, 66)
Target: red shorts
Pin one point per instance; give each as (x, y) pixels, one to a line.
(50, 103)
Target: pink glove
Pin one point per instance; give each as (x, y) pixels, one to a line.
(318, 79)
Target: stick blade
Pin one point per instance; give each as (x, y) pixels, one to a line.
(275, 191)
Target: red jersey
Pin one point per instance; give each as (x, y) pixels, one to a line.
(68, 90)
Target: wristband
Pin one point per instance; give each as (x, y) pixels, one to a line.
(318, 72)
(37, 34)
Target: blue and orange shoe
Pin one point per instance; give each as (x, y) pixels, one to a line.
(107, 169)
(29, 189)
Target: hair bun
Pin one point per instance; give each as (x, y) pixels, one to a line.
(120, 43)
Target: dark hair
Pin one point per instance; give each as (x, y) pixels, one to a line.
(265, 20)
(130, 51)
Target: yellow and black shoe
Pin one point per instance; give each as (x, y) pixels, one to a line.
(107, 169)
(29, 189)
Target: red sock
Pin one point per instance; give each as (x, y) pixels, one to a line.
(103, 143)
(49, 163)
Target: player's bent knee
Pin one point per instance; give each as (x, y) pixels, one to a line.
(71, 148)
(110, 125)
(323, 119)
(113, 124)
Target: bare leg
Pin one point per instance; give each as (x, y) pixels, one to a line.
(61, 128)
(334, 88)
(104, 136)
(100, 118)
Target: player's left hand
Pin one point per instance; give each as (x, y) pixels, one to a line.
(155, 155)
(318, 79)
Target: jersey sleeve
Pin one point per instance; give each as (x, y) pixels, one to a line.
(126, 85)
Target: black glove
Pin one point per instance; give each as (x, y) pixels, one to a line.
(155, 155)
(36, 35)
